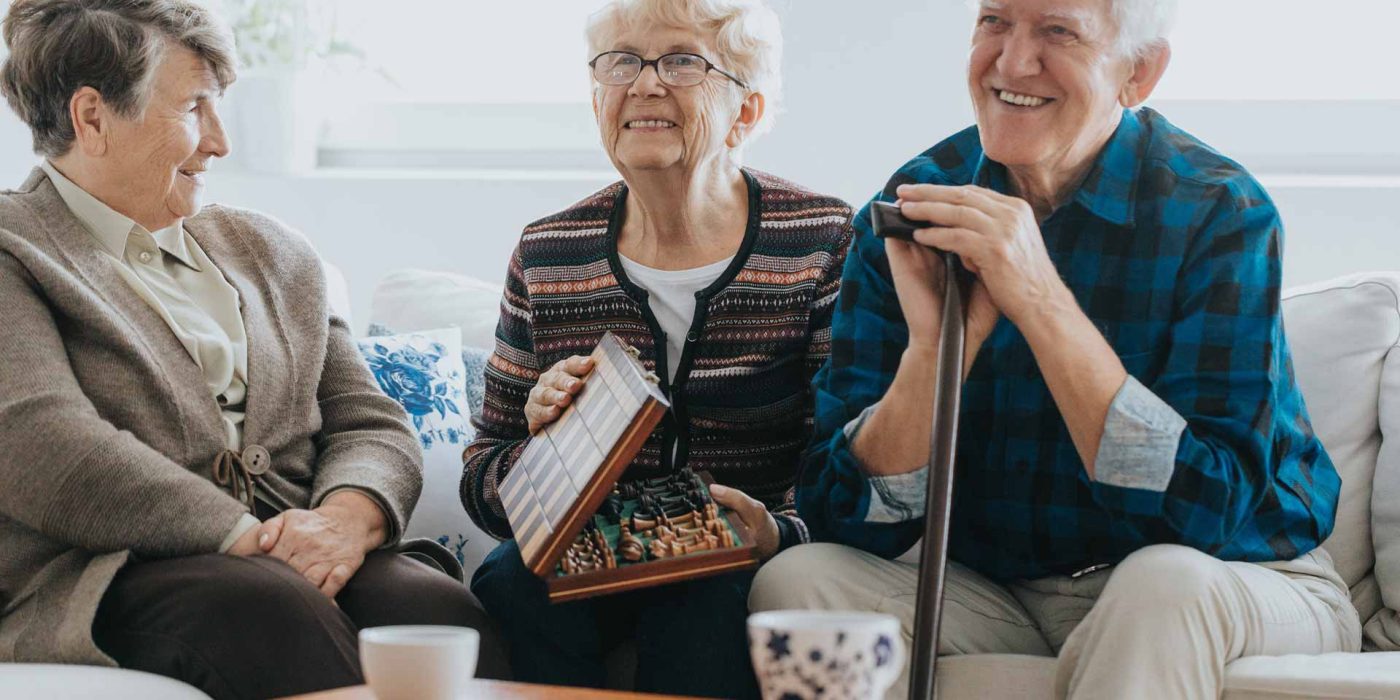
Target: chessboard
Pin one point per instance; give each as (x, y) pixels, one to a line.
(585, 534)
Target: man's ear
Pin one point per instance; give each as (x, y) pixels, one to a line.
(1147, 72)
(750, 114)
(92, 121)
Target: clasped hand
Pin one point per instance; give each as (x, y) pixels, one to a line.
(997, 238)
(326, 545)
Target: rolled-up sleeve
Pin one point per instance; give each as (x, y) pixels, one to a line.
(1224, 405)
(1140, 438)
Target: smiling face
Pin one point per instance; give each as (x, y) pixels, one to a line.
(648, 125)
(1047, 81)
(155, 163)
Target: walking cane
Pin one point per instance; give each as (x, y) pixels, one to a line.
(933, 560)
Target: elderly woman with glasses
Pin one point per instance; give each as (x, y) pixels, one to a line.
(198, 475)
(722, 277)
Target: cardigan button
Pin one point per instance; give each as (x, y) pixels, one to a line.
(256, 460)
(692, 336)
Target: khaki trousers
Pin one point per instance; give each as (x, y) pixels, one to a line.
(1163, 623)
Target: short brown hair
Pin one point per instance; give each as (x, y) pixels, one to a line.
(114, 46)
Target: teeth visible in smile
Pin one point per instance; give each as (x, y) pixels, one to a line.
(1021, 100)
(650, 124)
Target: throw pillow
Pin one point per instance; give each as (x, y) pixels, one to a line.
(424, 373)
(411, 300)
(474, 361)
(440, 514)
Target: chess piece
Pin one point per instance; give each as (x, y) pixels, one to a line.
(630, 547)
(659, 550)
(611, 508)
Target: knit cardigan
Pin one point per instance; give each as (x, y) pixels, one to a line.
(108, 431)
(741, 398)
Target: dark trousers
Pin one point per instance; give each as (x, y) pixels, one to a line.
(690, 637)
(239, 627)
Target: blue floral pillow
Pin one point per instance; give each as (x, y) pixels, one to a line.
(473, 360)
(424, 372)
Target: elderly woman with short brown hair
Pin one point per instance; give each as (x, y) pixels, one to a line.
(198, 475)
(722, 277)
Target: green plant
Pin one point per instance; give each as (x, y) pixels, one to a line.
(286, 33)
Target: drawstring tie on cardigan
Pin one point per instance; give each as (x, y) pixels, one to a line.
(238, 472)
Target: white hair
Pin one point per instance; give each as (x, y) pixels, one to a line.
(1142, 25)
(747, 38)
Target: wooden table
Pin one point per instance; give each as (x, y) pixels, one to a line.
(482, 689)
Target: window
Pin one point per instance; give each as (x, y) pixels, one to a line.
(455, 51)
(1285, 85)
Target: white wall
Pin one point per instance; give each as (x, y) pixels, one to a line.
(865, 91)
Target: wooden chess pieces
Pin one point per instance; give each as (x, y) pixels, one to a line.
(586, 534)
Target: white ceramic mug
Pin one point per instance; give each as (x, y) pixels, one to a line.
(800, 654)
(418, 662)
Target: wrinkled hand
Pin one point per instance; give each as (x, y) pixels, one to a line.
(555, 390)
(754, 515)
(326, 545)
(918, 272)
(997, 238)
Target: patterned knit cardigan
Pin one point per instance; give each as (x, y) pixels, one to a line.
(741, 399)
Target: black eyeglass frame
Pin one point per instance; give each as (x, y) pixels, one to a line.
(656, 64)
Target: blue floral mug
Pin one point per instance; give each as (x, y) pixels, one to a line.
(804, 654)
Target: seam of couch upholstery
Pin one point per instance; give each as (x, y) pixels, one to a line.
(1308, 292)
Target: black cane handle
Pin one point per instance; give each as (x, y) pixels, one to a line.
(889, 222)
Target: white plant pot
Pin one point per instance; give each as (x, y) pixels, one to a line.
(274, 121)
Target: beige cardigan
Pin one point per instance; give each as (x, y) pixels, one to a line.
(108, 431)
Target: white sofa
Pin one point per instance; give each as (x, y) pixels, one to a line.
(1345, 335)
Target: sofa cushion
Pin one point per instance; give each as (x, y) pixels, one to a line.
(1383, 631)
(424, 373)
(1340, 332)
(64, 682)
(1338, 675)
(415, 300)
(337, 292)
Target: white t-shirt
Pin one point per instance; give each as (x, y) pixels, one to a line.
(672, 299)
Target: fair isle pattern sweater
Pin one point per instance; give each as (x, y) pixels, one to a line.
(741, 399)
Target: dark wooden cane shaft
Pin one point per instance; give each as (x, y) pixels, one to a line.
(933, 561)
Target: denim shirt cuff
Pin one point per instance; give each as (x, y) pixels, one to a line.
(1140, 440)
(893, 499)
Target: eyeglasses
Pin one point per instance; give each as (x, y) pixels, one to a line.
(674, 69)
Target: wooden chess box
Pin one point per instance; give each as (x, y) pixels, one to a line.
(581, 531)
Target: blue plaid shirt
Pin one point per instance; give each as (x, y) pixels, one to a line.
(1174, 252)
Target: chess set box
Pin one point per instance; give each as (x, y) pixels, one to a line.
(587, 535)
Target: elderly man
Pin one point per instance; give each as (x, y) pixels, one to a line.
(1139, 490)
(198, 475)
